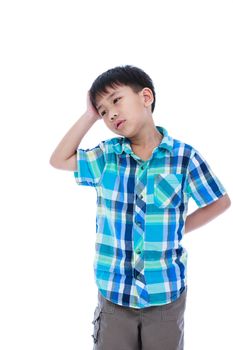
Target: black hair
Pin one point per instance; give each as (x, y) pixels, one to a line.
(128, 75)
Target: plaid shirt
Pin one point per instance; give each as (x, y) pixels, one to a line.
(141, 212)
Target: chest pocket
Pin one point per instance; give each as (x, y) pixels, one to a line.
(168, 190)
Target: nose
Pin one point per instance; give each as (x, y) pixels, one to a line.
(113, 116)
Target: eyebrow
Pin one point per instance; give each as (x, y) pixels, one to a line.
(115, 92)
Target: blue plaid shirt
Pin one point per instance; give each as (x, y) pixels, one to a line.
(141, 212)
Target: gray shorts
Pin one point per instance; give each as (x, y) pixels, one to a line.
(118, 327)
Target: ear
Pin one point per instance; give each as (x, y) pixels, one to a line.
(148, 97)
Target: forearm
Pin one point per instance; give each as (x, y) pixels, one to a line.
(204, 215)
(69, 143)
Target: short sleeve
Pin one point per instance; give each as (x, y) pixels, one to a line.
(202, 184)
(90, 165)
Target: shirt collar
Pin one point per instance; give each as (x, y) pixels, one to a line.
(123, 143)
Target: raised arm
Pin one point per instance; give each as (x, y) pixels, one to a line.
(64, 155)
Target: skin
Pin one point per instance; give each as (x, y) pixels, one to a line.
(139, 127)
(135, 108)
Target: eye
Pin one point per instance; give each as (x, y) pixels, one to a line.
(118, 98)
(115, 99)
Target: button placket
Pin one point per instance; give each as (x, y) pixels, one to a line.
(138, 236)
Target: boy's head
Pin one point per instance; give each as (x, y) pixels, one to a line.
(134, 96)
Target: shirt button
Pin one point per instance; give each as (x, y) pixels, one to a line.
(138, 251)
(139, 223)
(142, 167)
(141, 196)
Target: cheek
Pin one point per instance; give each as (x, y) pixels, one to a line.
(136, 106)
(107, 123)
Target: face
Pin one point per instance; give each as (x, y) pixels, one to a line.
(123, 104)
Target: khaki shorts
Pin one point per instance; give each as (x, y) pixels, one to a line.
(118, 327)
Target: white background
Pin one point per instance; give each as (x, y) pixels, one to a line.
(51, 51)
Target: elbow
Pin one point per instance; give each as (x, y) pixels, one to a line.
(51, 161)
(226, 201)
(54, 163)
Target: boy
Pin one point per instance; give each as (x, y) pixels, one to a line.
(143, 180)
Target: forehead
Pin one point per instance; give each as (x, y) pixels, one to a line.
(101, 98)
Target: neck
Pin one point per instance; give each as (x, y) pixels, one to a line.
(148, 138)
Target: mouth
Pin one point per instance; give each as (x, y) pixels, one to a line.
(119, 124)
